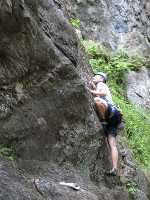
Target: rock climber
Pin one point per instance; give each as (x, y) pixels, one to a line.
(109, 115)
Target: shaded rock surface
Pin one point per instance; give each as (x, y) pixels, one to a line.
(115, 23)
(46, 112)
(40, 180)
(138, 87)
(13, 186)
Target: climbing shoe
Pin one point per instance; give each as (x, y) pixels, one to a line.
(112, 172)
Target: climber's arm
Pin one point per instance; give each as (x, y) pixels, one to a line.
(100, 90)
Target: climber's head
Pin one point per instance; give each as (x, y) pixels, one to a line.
(100, 77)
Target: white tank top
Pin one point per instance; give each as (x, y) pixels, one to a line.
(108, 98)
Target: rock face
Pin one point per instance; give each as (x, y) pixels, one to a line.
(46, 112)
(45, 109)
(138, 87)
(41, 181)
(13, 186)
(116, 23)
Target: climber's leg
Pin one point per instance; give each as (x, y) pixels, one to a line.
(101, 106)
(114, 154)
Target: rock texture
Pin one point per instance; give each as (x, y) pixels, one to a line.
(46, 112)
(41, 181)
(13, 186)
(115, 23)
(45, 109)
(138, 87)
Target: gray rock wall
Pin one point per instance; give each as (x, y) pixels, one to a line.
(116, 23)
(138, 87)
(46, 113)
(45, 110)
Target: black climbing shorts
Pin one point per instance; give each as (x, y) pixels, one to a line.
(109, 130)
(114, 118)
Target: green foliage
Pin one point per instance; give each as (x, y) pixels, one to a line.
(100, 59)
(131, 187)
(121, 62)
(90, 47)
(137, 127)
(75, 22)
(137, 120)
(7, 152)
(96, 51)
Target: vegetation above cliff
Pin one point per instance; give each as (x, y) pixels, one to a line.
(136, 119)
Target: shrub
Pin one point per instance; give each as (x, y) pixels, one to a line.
(7, 152)
(101, 59)
(131, 187)
(75, 22)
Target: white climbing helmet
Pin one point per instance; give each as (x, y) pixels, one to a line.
(102, 74)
